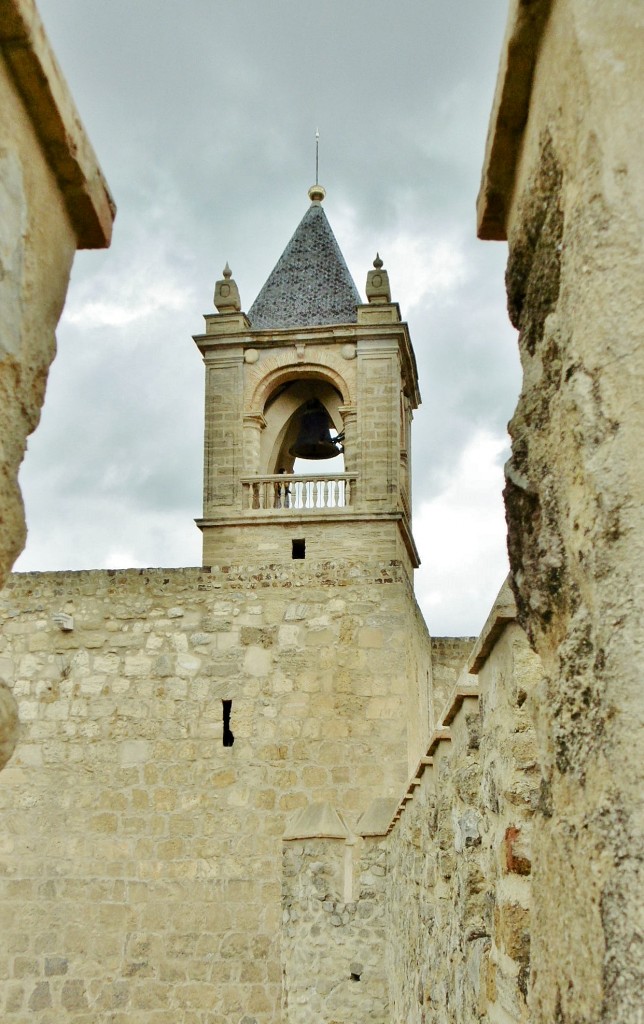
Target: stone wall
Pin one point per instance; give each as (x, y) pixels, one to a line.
(53, 200)
(564, 183)
(459, 854)
(422, 911)
(449, 654)
(333, 932)
(141, 859)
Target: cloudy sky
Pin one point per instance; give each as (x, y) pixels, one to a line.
(203, 115)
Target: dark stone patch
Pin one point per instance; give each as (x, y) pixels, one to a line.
(55, 965)
(252, 636)
(40, 998)
(534, 264)
(578, 711)
(73, 996)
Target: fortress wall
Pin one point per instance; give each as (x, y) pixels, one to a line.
(459, 858)
(140, 857)
(564, 182)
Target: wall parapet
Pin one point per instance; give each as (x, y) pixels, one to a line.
(459, 844)
(466, 688)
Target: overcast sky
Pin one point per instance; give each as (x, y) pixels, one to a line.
(203, 115)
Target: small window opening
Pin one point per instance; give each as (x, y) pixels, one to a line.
(298, 548)
(229, 739)
(356, 971)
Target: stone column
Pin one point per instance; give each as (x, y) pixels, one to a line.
(254, 424)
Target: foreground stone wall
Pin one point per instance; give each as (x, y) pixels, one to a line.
(53, 200)
(141, 859)
(459, 855)
(564, 182)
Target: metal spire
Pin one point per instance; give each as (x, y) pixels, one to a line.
(317, 192)
(317, 155)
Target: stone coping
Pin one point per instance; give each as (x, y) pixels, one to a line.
(525, 26)
(53, 115)
(375, 820)
(233, 575)
(319, 820)
(504, 611)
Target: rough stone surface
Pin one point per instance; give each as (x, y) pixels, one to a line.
(333, 936)
(52, 200)
(573, 218)
(458, 910)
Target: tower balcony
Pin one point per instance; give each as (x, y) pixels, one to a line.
(283, 494)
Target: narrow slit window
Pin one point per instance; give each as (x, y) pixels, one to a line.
(298, 548)
(229, 738)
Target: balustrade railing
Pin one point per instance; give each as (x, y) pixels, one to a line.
(283, 493)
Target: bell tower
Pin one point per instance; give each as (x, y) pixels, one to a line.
(309, 372)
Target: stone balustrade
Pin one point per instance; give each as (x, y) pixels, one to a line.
(297, 493)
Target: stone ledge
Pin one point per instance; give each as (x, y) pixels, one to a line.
(504, 611)
(53, 115)
(459, 694)
(524, 30)
(440, 735)
(215, 576)
(375, 820)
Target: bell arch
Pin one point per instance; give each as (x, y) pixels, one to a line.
(282, 415)
(301, 371)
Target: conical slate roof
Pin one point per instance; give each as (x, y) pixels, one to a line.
(310, 284)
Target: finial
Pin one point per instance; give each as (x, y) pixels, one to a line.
(316, 193)
(378, 283)
(227, 293)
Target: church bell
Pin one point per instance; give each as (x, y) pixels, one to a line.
(314, 439)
